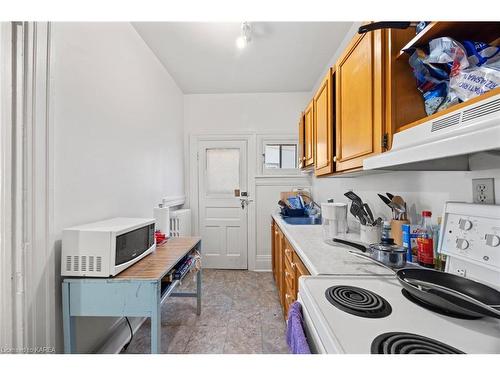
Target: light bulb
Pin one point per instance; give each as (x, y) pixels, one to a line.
(241, 42)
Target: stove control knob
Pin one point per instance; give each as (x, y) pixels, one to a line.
(462, 243)
(492, 240)
(465, 224)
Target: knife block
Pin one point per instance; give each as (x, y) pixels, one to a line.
(397, 231)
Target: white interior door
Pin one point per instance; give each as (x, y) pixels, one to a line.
(223, 218)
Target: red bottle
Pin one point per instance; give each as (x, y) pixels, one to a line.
(425, 252)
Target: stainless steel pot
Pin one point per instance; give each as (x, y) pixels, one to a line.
(385, 252)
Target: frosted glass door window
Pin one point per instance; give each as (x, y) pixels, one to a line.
(223, 170)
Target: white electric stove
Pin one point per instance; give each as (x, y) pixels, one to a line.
(398, 323)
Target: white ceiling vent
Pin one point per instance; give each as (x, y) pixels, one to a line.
(446, 122)
(481, 110)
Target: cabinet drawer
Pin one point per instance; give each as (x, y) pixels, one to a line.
(300, 268)
(289, 299)
(289, 267)
(289, 282)
(288, 251)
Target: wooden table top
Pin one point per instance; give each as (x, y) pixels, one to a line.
(157, 264)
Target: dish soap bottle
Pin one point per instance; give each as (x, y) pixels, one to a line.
(425, 251)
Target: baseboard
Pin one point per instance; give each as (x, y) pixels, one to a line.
(120, 335)
(263, 263)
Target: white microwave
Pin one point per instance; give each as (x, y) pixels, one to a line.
(106, 248)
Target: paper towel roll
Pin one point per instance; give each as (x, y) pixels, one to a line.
(334, 211)
(162, 217)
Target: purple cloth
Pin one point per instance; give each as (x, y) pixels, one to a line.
(295, 336)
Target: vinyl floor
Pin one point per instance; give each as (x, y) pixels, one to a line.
(240, 313)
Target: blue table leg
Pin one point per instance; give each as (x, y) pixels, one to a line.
(198, 292)
(156, 323)
(68, 321)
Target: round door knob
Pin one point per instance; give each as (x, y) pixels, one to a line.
(462, 244)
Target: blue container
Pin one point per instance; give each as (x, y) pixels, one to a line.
(406, 237)
(285, 211)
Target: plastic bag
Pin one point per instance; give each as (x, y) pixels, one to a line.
(475, 81)
(483, 73)
(454, 72)
(447, 51)
(480, 53)
(432, 82)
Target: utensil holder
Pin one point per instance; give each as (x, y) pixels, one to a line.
(370, 234)
(397, 231)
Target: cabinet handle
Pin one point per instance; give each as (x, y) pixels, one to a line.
(288, 251)
(335, 158)
(275, 232)
(292, 264)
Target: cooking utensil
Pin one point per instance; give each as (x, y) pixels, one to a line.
(449, 292)
(389, 195)
(385, 252)
(386, 200)
(354, 197)
(369, 212)
(358, 213)
(433, 288)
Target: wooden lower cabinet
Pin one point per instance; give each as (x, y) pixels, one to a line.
(287, 268)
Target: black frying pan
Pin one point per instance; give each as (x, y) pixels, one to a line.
(449, 292)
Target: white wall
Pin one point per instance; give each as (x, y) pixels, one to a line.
(266, 113)
(118, 134)
(421, 190)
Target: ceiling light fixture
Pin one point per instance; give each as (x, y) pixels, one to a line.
(245, 37)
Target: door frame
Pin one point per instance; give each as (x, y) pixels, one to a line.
(27, 277)
(193, 182)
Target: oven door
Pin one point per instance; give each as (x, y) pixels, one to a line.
(133, 244)
(315, 344)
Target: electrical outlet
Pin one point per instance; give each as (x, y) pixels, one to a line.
(483, 190)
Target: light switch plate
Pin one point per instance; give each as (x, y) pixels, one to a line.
(483, 190)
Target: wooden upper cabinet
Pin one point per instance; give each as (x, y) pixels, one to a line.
(309, 135)
(359, 103)
(323, 127)
(301, 141)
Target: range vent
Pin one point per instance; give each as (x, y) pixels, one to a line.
(68, 263)
(481, 110)
(98, 264)
(446, 122)
(76, 263)
(91, 263)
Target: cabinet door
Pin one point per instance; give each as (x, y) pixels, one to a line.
(281, 267)
(359, 111)
(323, 127)
(300, 270)
(301, 141)
(273, 249)
(309, 135)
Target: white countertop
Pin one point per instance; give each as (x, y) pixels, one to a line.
(321, 258)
